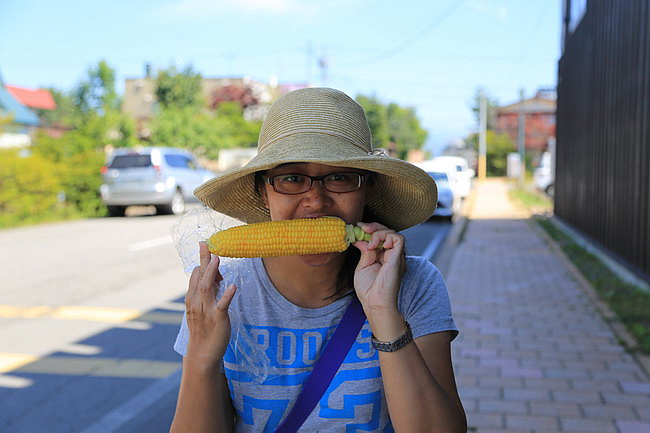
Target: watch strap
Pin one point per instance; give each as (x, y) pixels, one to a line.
(395, 345)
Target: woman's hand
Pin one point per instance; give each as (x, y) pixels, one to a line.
(207, 318)
(379, 272)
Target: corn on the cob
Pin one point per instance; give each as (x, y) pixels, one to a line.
(286, 238)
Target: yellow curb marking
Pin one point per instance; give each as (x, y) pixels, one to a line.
(96, 314)
(25, 312)
(12, 361)
(80, 366)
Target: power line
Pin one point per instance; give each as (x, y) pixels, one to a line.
(411, 40)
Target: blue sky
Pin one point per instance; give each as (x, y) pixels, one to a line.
(427, 54)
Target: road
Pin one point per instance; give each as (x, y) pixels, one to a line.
(88, 314)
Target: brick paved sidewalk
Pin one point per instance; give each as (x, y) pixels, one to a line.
(533, 355)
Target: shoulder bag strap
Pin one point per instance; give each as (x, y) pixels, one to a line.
(326, 367)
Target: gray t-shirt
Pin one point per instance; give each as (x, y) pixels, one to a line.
(274, 345)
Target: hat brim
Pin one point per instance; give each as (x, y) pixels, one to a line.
(402, 195)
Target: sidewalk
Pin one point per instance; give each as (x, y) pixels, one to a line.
(533, 354)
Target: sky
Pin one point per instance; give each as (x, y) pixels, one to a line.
(431, 55)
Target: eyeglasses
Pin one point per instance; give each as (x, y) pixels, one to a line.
(291, 183)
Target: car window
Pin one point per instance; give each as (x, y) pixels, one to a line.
(441, 179)
(131, 161)
(181, 161)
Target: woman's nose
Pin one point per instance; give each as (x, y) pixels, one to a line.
(317, 194)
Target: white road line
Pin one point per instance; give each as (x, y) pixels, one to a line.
(118, 417)
(151, 243)
(430, 250)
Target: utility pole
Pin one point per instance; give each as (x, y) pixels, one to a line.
(521, 138)
(322, 62)
(482, 144)
(308, 63)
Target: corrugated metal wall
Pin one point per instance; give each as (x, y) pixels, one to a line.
(603, 129)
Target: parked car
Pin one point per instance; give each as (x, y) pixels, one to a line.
(462, 175)
(448, 201)
(164, 177)
(543, 175)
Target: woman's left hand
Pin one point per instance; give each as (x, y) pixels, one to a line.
(379, 272)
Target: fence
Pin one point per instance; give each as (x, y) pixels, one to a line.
(603, 129)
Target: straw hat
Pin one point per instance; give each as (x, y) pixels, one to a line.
(324, 126)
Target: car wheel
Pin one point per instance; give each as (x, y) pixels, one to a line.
(176, 206)
(116, 211)
(550, 190)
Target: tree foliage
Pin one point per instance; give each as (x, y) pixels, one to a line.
(96, 93)
(28, 188)
(498, 146)
(393, 127)
(179, 89)
(204, 133)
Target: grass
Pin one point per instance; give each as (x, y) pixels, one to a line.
(630, 304)
(530, 198)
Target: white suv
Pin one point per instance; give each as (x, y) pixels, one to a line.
(161, 176)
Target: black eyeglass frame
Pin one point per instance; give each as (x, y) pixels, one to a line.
(271, 181)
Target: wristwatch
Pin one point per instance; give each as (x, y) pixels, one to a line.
(392, 346)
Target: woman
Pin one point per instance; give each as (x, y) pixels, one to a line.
(315, 158)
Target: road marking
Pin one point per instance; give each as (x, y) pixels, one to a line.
(12, 361)
(94, 366)
(118, 417)
(430, 250)
(95, 314)
(11, 311)
(151, 243)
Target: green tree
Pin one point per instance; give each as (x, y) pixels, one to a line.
(179, 89)
(64, 115)
(393, 127)
(28, 188)
(404, 130)
(202, 132)
(77, 161)
(96, 93)
(498, 146)
(377, 116)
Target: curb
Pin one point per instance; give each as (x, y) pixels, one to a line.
(445, 253)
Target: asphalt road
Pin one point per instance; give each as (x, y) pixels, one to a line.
(88, 314)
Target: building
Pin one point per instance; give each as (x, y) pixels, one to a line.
(140, 96)
(33, 98)
(539, 118)
(602, 173)
(17, 122)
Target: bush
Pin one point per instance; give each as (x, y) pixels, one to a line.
(78, 162)
(81, 179)
(29, 188)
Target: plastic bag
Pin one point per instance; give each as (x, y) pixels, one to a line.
(198, 225)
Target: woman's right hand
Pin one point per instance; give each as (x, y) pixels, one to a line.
(207, 317)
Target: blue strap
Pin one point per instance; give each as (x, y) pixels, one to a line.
(326, 367)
